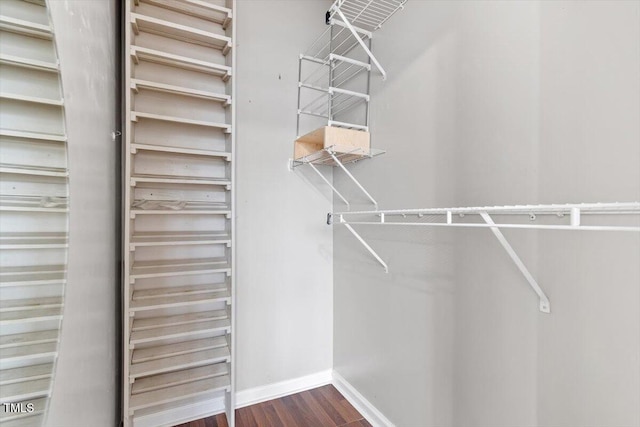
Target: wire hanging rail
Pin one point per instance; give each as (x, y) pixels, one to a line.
(601, 214)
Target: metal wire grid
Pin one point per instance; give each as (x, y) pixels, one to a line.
(367, 14)
(345, 155)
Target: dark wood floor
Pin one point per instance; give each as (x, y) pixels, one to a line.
(320, 407)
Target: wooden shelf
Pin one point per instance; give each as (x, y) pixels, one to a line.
(29, 420)
(32, 275)
(29, 338)
(33, 171)
(185, 331)
(197, 8)
(32, 99)
(33, 240)
(171, 379)
(154, 353)
(33, 135)
(175, 363)
(151, 55)
(136, 115)
(35, 372)
(178, 297)
(185, 238)
(175, 31)
(185, 391)
(39, 406)
(137, 84)
(33, 204)
(29, 352)
(30, 310)
(25, 390)
(25, 28)
(179, 319)
(9, 305)
(179, 150)
(179, 208)
(28, 63)
(150, 269)
(165, 179)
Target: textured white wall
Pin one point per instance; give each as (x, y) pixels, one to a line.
(284, 249)
(86, 384)
(498, 103)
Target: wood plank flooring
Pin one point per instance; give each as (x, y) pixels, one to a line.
(320, 407)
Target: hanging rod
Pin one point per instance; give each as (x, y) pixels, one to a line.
(574, 213)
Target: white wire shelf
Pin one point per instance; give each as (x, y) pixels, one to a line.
(369, 15)
(25, 28)
(148, 24)
(27, 339)
(197, 8)
(137, 85)
(33, 240)
(571, 214)
(25, 390)
(346, 155)
(139, 53)
(179, 150)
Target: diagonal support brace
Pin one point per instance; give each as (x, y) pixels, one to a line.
(335, 190)
(362, 43)
(366, 245)
(544, 301)
(353, 178)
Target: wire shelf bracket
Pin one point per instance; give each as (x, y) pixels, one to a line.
(368, 15)
(574, 212)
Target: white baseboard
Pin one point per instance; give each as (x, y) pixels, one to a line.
(182, 414)
(283, 388)
(358, 401)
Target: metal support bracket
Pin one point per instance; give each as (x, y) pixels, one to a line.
(335, 190)
(544, 301)
(353, 178)
(360, 41)
(365, 244)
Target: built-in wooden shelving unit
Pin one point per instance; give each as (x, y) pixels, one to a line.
(34, 207)
(179, 227)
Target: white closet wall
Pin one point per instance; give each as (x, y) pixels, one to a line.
(178, 227)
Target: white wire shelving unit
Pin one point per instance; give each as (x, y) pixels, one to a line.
(568, 217)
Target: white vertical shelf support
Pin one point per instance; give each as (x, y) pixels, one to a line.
(544, 301)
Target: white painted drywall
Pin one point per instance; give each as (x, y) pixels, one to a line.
(284, 249)
(498, 103)
(86, 383)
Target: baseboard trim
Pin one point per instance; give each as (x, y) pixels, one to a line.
(283, 388)
(358, 401)
(182, 414)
